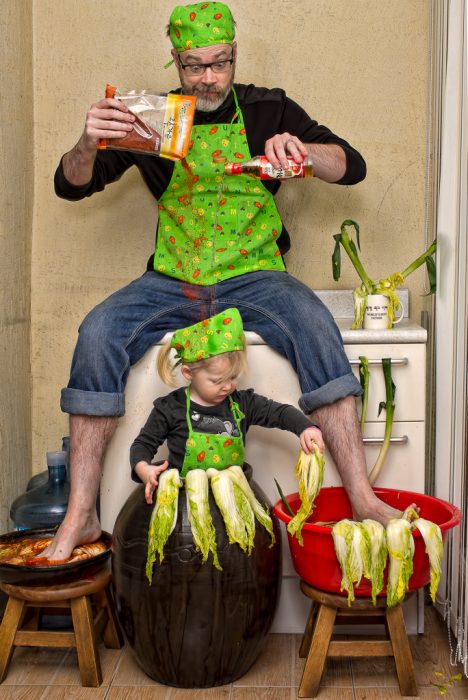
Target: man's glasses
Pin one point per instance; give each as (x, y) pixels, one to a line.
(199, 68)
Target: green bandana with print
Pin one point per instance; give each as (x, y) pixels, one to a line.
(199, 25)
(212, 336)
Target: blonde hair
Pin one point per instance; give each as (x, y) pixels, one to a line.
(166, 365)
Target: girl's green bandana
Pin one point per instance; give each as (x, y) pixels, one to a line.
(213, 336)
(203, 24)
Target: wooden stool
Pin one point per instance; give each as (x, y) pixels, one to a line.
(20, 629)
(327, 609)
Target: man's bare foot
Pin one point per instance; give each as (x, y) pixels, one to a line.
(375, 509)
(69, 535)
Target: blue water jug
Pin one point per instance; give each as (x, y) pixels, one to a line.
(44, 505)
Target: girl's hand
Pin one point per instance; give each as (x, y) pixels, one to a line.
(311, 438)
(149, 473)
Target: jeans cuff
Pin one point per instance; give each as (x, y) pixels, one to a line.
(337, 389)
(92, 403)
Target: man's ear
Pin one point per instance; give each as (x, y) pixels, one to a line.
(186, 372)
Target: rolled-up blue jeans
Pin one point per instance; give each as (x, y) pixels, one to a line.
(282, 310)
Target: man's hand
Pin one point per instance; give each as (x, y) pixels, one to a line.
(311, 438)
(282, 146)
(328, 159)
(107, 119)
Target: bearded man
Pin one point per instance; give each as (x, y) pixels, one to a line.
(216, 247)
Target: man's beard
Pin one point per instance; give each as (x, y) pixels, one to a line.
(208, 99)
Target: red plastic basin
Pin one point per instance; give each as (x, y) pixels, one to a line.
(316, 562)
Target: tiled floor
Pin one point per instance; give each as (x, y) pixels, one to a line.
(52, 674)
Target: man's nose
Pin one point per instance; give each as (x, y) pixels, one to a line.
(209, 78)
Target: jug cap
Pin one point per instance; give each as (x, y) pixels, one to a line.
(57, 459)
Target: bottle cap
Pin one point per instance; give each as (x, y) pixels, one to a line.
(56, 459)
(233, 169)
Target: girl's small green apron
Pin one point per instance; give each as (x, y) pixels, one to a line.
(208, 451)
(213, 227)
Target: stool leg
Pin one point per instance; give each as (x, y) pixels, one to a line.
(401, 651)
(112, 634)
(86, 647)
(12, 619)
(317, 655)
(307, 636)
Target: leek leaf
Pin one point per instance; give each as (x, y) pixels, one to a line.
(309, 471)
(163, 517)
(199, 515)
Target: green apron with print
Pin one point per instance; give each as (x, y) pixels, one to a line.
(211, 226)
(207, 451)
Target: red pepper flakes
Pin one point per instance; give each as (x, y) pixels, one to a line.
(182, 198)
(195, 274)
(258, 205)
(218, 15)
(275, 233)
(215, 153)
(192, 16)
(248, 232)
(227, 443)
(242, 131)
(161, 207)
(222, 201)
(201, 456)
(172, 239)
(180, 219)
(220, 250)
(243, 251)
(213, 130)
(239, 155)
(227, 321)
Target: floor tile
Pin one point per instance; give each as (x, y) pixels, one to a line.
(274, 665)
(68, 673)
(431, 651)
(156, 692)
(261, 693)
(34, 666)
(71, 692)
(23, 692)
(129, 673)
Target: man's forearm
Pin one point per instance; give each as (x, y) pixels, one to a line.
(78, 164)
(329, 161)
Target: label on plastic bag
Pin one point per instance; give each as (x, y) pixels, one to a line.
(162, 126)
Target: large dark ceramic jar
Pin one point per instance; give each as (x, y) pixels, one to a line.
(194, 626)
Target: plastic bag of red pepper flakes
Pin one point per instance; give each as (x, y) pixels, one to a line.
(162, 126)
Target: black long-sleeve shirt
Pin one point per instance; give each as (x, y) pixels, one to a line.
(266, 112)
(167, 421)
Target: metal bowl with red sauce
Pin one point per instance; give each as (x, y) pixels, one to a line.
(41, 572)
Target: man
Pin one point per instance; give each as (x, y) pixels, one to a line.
(219, 243)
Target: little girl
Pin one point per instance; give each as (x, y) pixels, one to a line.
(205, 423)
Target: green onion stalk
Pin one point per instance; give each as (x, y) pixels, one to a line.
(386, 286)
(364, 376)
(389, 406)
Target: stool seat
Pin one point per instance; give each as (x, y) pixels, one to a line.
(328, 609)
(92, 610)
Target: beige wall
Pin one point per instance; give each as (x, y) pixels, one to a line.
(16, 199)
(358, 66)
